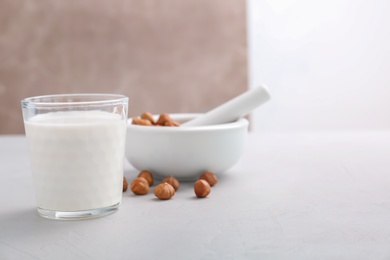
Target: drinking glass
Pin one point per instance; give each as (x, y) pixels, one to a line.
(76, 144)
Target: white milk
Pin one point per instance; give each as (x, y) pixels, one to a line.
(77, 159)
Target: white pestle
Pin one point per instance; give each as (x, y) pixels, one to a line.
(233, 109)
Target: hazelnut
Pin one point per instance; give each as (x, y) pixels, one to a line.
(210, 177)
(140, 121)
(201, 188)
(147, 176)
(125, 184)
(139, 186)
(164, 191)
(171, 123)
(148, 116)
(173, 181)
(163, 119)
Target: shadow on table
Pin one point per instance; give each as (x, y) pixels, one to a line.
(26, 224)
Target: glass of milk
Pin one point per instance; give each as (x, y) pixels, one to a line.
(77, 145)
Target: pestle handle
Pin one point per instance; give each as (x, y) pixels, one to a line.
(233, 109)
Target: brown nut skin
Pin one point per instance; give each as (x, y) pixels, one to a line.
(164, 191)
(125, 184)
(139, 186)
(147, 175)
(201, 188)
(140, 121)
(171, 123)
(173, 181)
(210, 177)
(148, 116)
(163, 119)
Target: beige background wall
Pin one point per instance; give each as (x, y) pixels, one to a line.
(167, 56)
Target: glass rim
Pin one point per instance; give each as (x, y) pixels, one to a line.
(99, 99)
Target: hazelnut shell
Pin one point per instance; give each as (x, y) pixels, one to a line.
(147, 176)
(173, 181)
(210, 177)
(125, 184)
(139, 186)
(164, 191)
(201, 188)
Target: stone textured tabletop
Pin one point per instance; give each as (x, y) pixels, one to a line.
(292, 196)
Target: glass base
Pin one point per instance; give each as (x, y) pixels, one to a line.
(77, 215)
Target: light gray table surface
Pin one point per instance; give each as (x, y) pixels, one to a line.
(291, 196)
